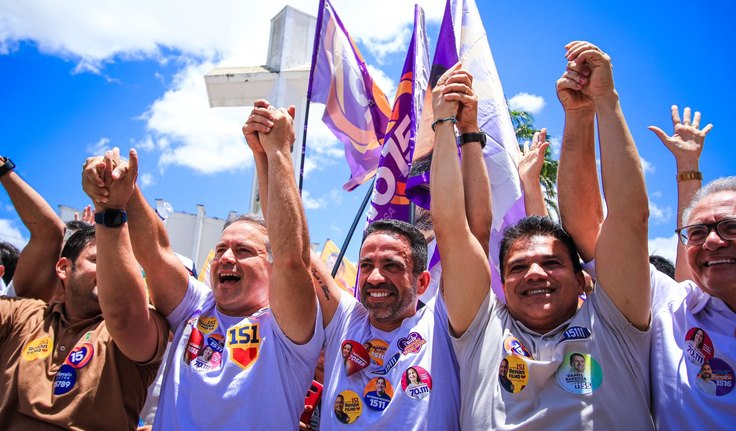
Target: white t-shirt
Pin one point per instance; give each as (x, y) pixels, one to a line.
(591, 371)
(682, 313)
(227, 373)
(414, 365)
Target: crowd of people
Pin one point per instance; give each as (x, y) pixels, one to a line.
(588, 335)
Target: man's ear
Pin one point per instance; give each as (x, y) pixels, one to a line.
(63, 267)
(423, 282)
(580, 278)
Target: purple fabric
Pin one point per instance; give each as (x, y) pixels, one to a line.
(356, 110)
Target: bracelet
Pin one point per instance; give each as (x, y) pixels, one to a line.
(453, 120)
(7, 166)
(690, 175)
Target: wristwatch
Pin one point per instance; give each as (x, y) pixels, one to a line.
(7, 166)
(111, 218)
(466, 138)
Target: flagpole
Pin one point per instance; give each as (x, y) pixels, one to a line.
(352, 228)
(317, 33)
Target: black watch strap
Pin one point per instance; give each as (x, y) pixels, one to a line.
(111, 218)
(466, 138)
(7, 166)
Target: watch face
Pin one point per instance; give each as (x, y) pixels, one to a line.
(114, 219)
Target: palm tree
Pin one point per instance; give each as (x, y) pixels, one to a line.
(523, 123)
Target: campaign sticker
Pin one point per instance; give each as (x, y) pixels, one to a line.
(389, 364)
(512, 346)
(244, 343)
(715, 377)
(576, 333)
(194, 345)
(80, 355)
(698, 346)
(38, 349)
(347, 407)
(210, 356)
(412, 343)
(416, 383)
(513, 373)
(207, 324)
(65, 379)
(376, 350)
(378, 393)
(579, 373)
(355, 356)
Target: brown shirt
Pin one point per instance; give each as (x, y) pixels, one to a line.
(61, 376)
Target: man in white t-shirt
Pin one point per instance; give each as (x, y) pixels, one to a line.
(257, 321)
(534, 335)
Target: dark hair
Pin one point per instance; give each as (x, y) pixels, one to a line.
(419, 379)
(576, 354)
(416, 240)
(77, 242)
(700, 345)
(663, 265)
(8, 258)
(536, 226)
(256, 220)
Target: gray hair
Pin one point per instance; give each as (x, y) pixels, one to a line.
(724, 184)
(256, 220)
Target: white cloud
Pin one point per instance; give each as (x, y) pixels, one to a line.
(646, 167)
(659, 215)
(664, 246)
(99, 147)
(527, 102)
(333, 197)
(9, 233)
(146, 180)
(384, 82)
(556, 147)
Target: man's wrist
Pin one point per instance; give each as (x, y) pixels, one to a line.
(609, 100)
(6, 165)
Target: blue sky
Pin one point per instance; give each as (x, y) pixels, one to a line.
(78, 77)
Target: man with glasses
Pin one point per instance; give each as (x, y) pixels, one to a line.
(705, 305)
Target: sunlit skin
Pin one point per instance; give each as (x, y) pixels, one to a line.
(240, 270)
(713, 263)
(541, 286)
(388, 288)
(79, 280)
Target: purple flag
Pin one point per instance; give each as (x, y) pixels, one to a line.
(356, 110)
(468, 43)
(389, 199)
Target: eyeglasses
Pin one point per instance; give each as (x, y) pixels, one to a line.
(696, 234)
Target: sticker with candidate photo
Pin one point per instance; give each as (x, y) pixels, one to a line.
(416, 382)
(513, 346)
(80, 355)
(715, 377)
(347, 407)
(376, 349)
(698, 346)
(210, 356)
(65, 379)
(579, 373)
(378, 393)
(513, 373)
(354, 356)
(194, 345)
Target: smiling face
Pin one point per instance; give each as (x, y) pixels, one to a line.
(339, 403)
(412, 376)
(381, 385)
(346, 349)
(540, 284)
(706, 372)
(713, 263)
(577, 362)
(240, 269)
(388, 288)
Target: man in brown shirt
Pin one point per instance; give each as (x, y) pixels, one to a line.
(86, 361)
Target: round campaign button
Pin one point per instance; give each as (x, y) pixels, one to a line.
(376, 349)
(513, 346)
(80, 355)
(378, 393)
(579, 373)
(355, 356)
(715, 377)
(416, 383)
(347, 407)
(513, 373)
(65, 379)
(698, 346)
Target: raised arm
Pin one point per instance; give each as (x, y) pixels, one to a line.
(686, 144)
(622, 263)
(291, 294)
(35, 273)
(579, 196)
(465, 271)
(120, 285)
(530, 169)
(166, 277)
